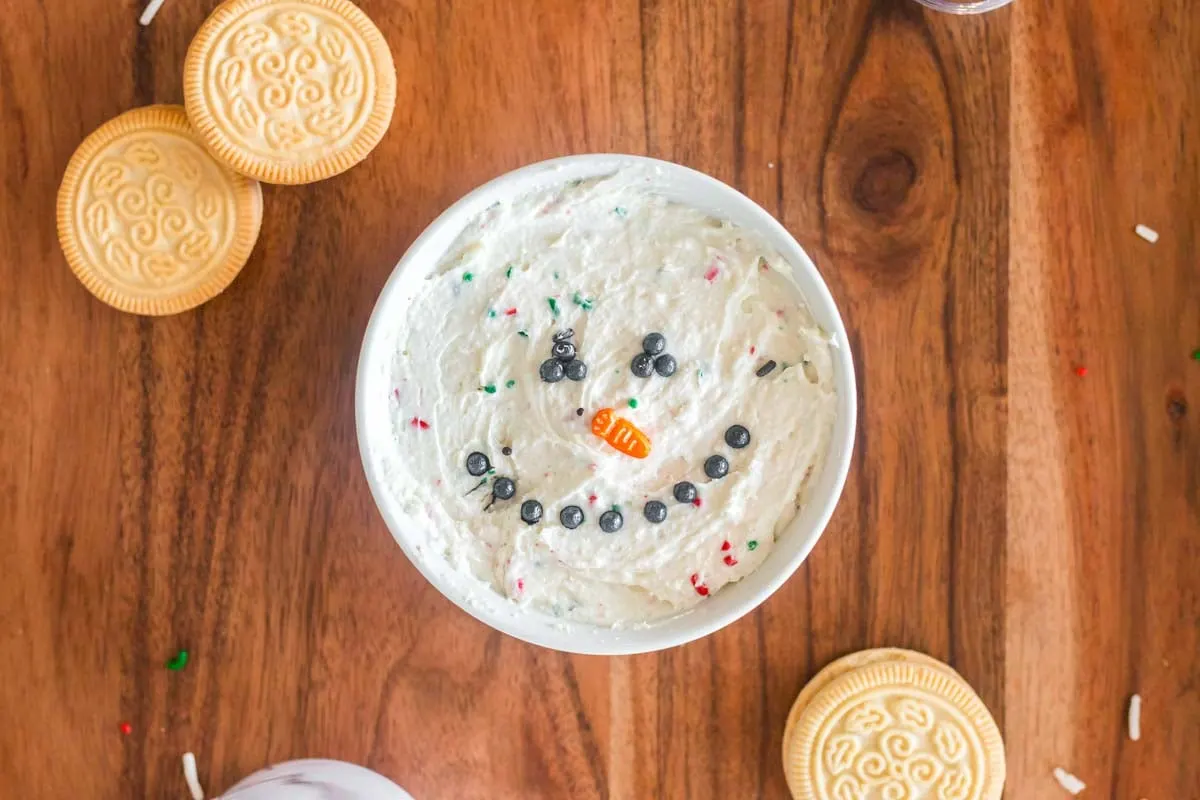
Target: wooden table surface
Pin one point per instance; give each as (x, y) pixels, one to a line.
(969, 187)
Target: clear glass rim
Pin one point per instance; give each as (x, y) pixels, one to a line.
(952, 7)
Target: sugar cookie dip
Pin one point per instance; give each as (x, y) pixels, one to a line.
(605, 405)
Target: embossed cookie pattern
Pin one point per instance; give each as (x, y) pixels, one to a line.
(289, 91)
(149, 221)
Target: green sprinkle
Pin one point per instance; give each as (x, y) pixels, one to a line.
(492, 471)
(616, 508)
(556, 276)
(633, 402)
(550, 301)
(490, 388)
(1196, 354)
(509, 384)
(699, 373)
(751, 545)
(468, 277)
(178, 662)
(491, 313)
(523, 333)
(585, 303)
(620, 211)
(508, 272)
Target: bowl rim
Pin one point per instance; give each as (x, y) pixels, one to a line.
(378, 781)
(838, 457)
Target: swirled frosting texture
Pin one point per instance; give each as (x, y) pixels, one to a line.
(612, 261)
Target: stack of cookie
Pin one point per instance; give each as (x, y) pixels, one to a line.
(160, 207)
(891, 723)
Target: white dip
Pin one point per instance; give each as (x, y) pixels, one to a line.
(618, 263)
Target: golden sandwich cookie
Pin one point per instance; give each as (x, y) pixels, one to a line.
(849, 663)
(148, 220)
(289, 91)
(894, 728)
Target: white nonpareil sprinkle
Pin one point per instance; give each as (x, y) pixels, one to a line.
(151, 9)
(189, 775)
(1147, 233)
(1068, 781)
(1135, 717)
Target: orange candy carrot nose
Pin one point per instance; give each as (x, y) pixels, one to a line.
(621, 434)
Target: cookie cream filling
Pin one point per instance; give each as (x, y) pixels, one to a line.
(611, 262)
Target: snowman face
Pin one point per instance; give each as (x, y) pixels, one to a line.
(605, 404)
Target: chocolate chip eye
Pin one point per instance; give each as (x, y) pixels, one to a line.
(563, 351)
(576, 370)
(571, 517)
(477, 464)
(564, 335)
(684, 491)
(716, 467)
(654, 343)
(503, 488)
(611, 521)
(551, 370)
(642, 365)
(737, 436)
(655, 511)
(765, 369)
(665, 365)
(531, 512)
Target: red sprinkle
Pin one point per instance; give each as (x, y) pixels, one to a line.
(397, 393)
(725, 545)
(512, 312)
(702, 590)
(695, 577)
(1081, 371)
(753, 349)
(591, 499)
(417, 422)
(730, 561)
(126, 728)
(696, 502)
(711, 275)
(520, 584)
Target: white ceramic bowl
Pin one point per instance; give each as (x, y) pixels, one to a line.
(315, 779)
(373, 395)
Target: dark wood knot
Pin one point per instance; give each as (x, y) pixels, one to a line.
(1176, 405)
(884, 182)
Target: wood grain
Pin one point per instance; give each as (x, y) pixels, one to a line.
(968, 187)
